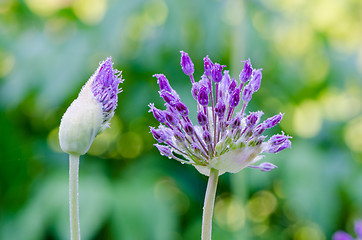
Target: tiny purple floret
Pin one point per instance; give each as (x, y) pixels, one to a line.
(163, 82)
(216, 72)
(164, 150)
(246, 72)
(203, 97)
(235, 98)
(273, 121)
(266, 166)
(256, 80)
(157, 113)
(208, 65)
(247, 93)
(186, 64)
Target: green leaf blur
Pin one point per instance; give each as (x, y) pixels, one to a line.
(311, 55)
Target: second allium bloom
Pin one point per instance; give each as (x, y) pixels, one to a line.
(224, 139)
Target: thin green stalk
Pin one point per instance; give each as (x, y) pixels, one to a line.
(209, 204)
(73, 197)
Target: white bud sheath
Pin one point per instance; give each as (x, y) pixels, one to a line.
(81, 122)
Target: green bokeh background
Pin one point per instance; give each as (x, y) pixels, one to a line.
(311, 53)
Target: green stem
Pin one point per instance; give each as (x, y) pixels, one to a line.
(209, 204)
(73, 197)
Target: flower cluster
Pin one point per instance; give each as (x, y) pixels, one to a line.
(341, 235)
(90, 113)
(224, 139)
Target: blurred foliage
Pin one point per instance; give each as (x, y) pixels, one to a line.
(311, 53)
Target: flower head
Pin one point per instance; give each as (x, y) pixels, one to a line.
(224, 139)
(90, 113)
(341, 235)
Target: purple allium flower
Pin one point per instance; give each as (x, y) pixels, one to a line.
(223, 138)
(341, 235)
(358, 227)
(186, 64)
(92, 111)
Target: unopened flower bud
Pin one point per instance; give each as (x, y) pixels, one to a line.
(220, 108)
(216, 72)
(203, 97)
(195, 90)
(171, 118)
(256, 80)
(186, 64)
(90, 113)
(253, 118)
(232, 86)
(182, 109)
(246, 72)
(157, 113)
(189, 129)
(160, 134)
(247, 93)
(235, 98)
(272, 121)
(163, 82)
(164, 150)
(207, 137)
(208, 66)
(266, 166)
(202, 119)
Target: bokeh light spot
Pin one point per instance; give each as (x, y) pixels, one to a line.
(5, 5)
(316, 66)
(233, 12)
(102, 142)
(90, 11)
(307, 119)
(130, 145)
(53, 140)
(294, 40)
(166, 189)
(353, 134)
(260, 206)
(342, 105)
(7, 61)
(229, 213)
(155, 12)
(310, 232)
(47, 7)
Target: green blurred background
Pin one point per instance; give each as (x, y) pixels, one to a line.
(311, 53)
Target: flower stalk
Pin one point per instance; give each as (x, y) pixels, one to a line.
(73, 197)
(209, 204)
(224, 140)
(85, 118)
